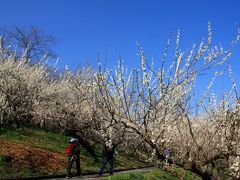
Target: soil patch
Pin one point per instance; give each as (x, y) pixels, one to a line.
(31, 157)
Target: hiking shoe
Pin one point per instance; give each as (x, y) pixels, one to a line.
(68, 177)
(79, 175)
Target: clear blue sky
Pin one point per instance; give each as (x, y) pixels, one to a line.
(85, 28)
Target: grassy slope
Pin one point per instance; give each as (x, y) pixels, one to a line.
(48, 142)
(52, 146)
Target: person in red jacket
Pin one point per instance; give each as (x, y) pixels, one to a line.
(73, 152)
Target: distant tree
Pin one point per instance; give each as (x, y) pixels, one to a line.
(32, 43)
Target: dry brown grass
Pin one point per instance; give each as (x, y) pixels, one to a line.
(27, 156)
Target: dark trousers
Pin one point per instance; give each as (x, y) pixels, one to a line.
(70, 163)
(104, 162)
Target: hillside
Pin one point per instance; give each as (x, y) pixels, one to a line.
(30, 151)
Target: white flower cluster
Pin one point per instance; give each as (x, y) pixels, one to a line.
(235, 167)
(152, 109)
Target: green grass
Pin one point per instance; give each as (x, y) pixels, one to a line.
(180, 172)
(54, 142)
(40, 138)
(175, 173)
(154, 175)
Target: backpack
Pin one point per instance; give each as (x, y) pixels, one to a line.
(69, 149)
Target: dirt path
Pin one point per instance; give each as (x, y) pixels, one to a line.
(95, 176)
